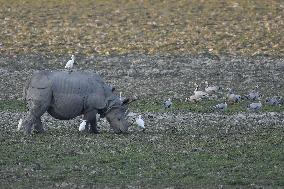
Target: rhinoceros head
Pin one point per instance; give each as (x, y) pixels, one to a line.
(116, 116)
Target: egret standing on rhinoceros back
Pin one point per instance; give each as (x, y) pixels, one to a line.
(67, 95)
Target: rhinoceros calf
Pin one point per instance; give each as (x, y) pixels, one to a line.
(67, 95)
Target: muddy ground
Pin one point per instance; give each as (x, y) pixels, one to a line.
(147, 76)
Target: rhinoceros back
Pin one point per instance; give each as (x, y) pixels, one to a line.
(75, 93)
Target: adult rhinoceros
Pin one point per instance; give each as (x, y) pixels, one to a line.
(66, 95)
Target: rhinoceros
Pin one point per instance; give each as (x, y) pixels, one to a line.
(66, 95)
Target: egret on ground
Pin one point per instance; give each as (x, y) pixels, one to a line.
(70, 63)
(273, 101)
(167, 103)
(254, 94)
(121, 98)
(233, 98)
(255, 106)
(140, 122)
(193, 98)
(20, 124)
(83, 125)
(211, 89)
(199, 94)
(221, 106)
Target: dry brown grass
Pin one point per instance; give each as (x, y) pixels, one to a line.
(115, 27)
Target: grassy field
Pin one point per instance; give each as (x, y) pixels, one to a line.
(202, 156)
(171, 154)
(189, 146)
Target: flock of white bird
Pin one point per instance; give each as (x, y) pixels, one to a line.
(210, 92)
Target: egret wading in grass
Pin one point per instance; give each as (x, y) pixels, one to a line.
(20, 124)
(255, 106)
(83, 125)
(199, 94)
(273, 101)
(132, 70)
(193, 98)
(221, 106)
(233, 98)
(140, 122)
(121, 98)
(211, 89)
(254, 94)
(168, 103)
(70, 63)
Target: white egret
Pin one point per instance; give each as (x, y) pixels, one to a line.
(211, 89)
(70, 63)
(140, 122)
(167, 103)
(200, 94)
(20, 124)
(83, 125)
(255, 106)
(221, 106)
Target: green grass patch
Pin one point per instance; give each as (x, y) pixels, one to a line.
(154, 105)
(12, 105)
(64, 158)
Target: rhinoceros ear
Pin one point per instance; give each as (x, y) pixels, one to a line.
(125, 101)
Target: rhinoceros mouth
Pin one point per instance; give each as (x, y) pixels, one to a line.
(121, 132)
(117, 131)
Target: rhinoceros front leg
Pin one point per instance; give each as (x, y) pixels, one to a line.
(94, 127)
(36, 110)
(92, 119)
(30, 122)
(27, 123)
(38, 126)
